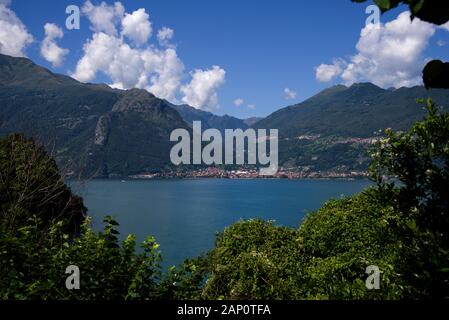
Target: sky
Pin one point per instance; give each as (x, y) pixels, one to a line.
(244, 58)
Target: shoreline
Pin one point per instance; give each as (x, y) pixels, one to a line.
(126, 179)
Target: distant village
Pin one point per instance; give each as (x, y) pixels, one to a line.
(220, 173)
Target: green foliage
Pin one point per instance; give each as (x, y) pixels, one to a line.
(30, 184)
(186, 282)
(325, 259)
(419, 160)
(33, 264)
(254, 260)
(341, 240)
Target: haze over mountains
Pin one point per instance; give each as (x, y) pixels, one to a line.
(210, 120)
(108, 132)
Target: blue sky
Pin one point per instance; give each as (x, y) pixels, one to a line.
(264, 47)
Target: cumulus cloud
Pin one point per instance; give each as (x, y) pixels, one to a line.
(103, 18)
(168, 70)
(159, 71)
(201, 92)
(137, 26)
(239, 102)
(388, 55)
(441, 43)
(289, 94)
(49, 48)
(14, 36)
(445, 26)
(164, 36)
(327, 72)
(120, 49)
(252, 106)
(128, 65)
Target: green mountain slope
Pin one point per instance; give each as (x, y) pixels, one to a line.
(333, 130)
(107, 132)
(98, 129)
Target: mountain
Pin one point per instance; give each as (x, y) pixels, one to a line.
(209, 120)
(252, 121)
(107, 132)
(100, 130)
(333, 130)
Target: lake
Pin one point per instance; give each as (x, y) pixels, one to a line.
(185, 215)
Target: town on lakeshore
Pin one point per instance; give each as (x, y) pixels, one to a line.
(249, 173)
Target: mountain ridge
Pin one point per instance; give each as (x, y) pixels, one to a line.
(109, 132)
(333, 130)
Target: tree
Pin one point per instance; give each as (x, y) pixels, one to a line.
(31, 185)
(412, 173)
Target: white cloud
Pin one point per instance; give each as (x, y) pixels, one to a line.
(168, 70)
(137, 26)
(239, 102)
(158, 71)
(120, 49)
(103, 18)
(164, 36)
(14, 36)
(252, 106)
(327, 72)
(146, 67)
(49, 48)
(441, 43)
(389, 55)
(445, 26)
(289, 94)
(201, 92)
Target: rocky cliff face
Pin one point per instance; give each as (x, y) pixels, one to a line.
(102, 131)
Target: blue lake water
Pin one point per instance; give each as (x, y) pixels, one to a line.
(185, 215)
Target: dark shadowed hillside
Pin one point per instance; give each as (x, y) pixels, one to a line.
(102, 130)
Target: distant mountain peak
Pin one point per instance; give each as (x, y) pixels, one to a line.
(138, 100)
(208, 119)
(364, 85)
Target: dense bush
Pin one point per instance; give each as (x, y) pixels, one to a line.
(30, 184)
(33, 264)
(414, 167)
(325, 259)
(343, 238)
(254, 260)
